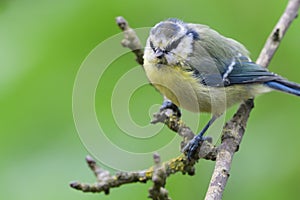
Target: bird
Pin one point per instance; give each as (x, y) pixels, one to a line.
(196, 68)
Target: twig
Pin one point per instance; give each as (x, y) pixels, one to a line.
(273, 41)
(167, 116)
(131, 40)
(106, 181)
(234, 130)
(159, 177)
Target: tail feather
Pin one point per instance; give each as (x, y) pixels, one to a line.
(284, 86)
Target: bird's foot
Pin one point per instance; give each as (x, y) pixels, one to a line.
(192, 148)
(167, 104)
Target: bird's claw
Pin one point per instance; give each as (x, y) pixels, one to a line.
(170, 105)
(192, 147)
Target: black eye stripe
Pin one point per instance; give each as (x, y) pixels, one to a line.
(174, 44)
(152, 46)
(171, 46)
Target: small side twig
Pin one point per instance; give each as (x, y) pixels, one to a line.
(159, 177)
(131, 40)
(105, 180)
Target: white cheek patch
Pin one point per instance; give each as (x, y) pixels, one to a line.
(171, 59)
(184, 48)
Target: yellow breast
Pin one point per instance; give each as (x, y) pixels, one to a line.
(179, 86)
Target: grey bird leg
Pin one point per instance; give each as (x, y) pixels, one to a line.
(192, 147)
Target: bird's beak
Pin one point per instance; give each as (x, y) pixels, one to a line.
(159, 53)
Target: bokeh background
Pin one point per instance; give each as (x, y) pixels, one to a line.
(42, 45)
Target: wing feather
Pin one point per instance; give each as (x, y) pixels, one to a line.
(220, 61)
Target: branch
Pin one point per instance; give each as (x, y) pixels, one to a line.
(106, 181)
(159, 172)
(234, 130)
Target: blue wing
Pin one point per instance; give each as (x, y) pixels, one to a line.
(247, 73)
(236, 72)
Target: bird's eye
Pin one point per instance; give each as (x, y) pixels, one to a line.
(155, 50)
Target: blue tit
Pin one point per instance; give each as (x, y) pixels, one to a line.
(200, 70)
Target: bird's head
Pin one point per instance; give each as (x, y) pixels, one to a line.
(169, 43)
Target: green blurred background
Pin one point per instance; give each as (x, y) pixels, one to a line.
(42, 45)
